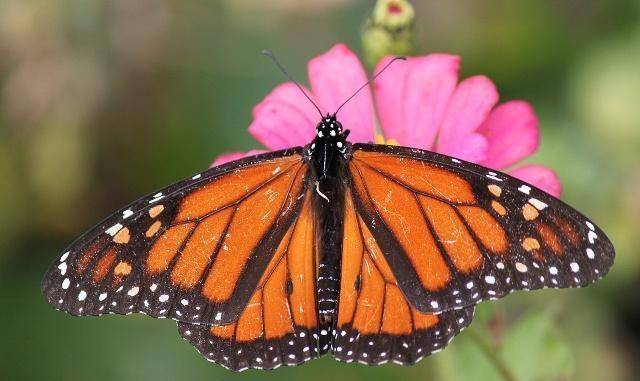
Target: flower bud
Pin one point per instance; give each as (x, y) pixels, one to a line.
(388, 30)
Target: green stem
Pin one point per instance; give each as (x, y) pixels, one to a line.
(493, 357)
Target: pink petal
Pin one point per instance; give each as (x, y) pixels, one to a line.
(468, 108)
(512, 132)
(334, 77)
(284, 118)
(472, 147)
(227, 157)
(412, 96)
(542, 177)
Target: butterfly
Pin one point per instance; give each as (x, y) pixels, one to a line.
(374, 253)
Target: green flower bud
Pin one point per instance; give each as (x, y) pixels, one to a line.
(388, 30)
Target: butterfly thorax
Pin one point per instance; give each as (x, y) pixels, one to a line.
(329, 149)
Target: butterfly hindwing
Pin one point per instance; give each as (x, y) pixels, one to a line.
(376, 324)
(279, 326)
(455, 233)
(194, 251)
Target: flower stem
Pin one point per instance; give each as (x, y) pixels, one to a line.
(493, 357)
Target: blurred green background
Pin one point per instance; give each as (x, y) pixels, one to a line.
(101, 102)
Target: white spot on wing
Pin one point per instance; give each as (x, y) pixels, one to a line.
(133, 291)
(114, 229)
(156, 197)
(64, 257)
(493, 176)
(537, 203)
(524, 189)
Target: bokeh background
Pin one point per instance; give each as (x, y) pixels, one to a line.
(101, 102)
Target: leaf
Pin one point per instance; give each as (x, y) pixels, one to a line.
(531, 349)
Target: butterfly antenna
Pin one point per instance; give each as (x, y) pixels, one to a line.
(371, 80)
(270, 54)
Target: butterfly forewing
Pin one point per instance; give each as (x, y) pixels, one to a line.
(456, 233)
(194, 251)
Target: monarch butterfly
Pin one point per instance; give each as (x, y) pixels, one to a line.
(374, 253)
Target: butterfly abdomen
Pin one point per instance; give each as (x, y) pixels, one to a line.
(329, 200)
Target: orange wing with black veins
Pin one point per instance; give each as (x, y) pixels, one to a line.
(376, 324)
(279, 326)
(454, 233)
(194, 251)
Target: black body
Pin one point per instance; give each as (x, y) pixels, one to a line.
(327, 156)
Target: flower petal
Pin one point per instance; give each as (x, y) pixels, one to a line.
(540, 176)
(412, 96)
(512, 132)
(284, 118)
(468, 108)
(227, 157)
(472, 147)
(334, 77)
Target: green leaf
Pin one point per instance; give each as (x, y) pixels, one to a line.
(531, 348)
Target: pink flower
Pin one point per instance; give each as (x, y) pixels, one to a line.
(418, 103)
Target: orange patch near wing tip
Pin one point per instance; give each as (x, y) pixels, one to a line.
(155, 211)
(122, 236)
(104, 264)
(567, 229)
(87, 255)
(498, 207)
(549, 237)
(153, 229)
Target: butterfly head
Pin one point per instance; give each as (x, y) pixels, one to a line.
(329, 132)
(329, 127)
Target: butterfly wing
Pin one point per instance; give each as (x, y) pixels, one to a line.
(194, 251)
(376, 324)
(279, 325)
(455, 233)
